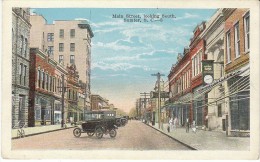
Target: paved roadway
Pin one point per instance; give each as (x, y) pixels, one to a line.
(134, 136)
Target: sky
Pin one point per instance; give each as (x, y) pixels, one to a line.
(125, 54)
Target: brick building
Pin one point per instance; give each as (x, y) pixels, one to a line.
(20, 69)
(98, 102)
(237, 51)
(45, 94)
(180, 87)
(67, 42)
(72, 112)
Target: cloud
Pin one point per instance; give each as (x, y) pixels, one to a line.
(186, 16)
(118, 66)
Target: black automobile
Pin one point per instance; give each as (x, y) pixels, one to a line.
(97, 123)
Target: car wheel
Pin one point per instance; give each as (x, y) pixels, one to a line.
(90, 133)
(112, 133)
(99, 133)
(77, 132)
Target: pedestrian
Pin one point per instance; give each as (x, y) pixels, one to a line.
(194, 126)
(175, 122)
(171, 124)
(187, 125)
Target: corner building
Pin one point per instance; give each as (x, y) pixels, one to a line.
(20, 69)
(237, 54)
(67, 42)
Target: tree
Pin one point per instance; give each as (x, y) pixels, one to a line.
(132, 113)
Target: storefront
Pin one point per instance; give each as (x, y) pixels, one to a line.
(199, 108)
(57, 112)
(43, 107)
(239, 103)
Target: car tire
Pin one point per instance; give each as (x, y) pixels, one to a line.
(90, 133)
(77, 132)
(112, 133)
(99, 133)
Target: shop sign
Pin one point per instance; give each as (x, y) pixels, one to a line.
(208, 71)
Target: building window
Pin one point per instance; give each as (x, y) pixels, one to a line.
(50, 37)
(237, 41)
(72, 59)
(61, 33)
(60, 58)
(47, 82)
(72, 47)
(228, 48)
(247, 32)
(43, 80)
(50, 83)
(21, 50)
(72, 33)
(24, 75)
(39, 78)
(50, 50)
(25, 47)
(196, 64)
(219, 110)
(61, 47)
(54, 85)
(21, 73)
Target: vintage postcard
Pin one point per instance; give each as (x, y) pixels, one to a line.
(132, 80)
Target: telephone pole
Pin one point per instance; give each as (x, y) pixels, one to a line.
(159, 96)
(145, 95)
(62, 90)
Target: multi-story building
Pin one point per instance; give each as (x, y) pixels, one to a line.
(68, 42)
(214, 41)
(180, 88)
(98, 102)
(45, 92)
(20, 69)
(237, 51)
(73, 89)
(197, 53)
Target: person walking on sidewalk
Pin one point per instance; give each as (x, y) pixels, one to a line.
(171, 124)
(187, 125)
(175, 123)
(194, 126)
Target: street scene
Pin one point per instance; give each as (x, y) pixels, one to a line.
(130, 79)
(129, 137)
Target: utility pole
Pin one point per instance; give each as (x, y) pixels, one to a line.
(145, 97)
(63, 90)
(159, 96)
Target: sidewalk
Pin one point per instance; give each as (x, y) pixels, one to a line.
(206, 140)
(29, 131)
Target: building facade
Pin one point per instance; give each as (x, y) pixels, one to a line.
(98, 102)
(20, 69)
(214, 42)
(180, 88)
(67, 42)
(45, 92)
(237, 53)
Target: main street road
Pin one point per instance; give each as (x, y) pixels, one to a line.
(134, 136)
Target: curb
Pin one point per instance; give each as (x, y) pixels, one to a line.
(33, 134)
(192, 148)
